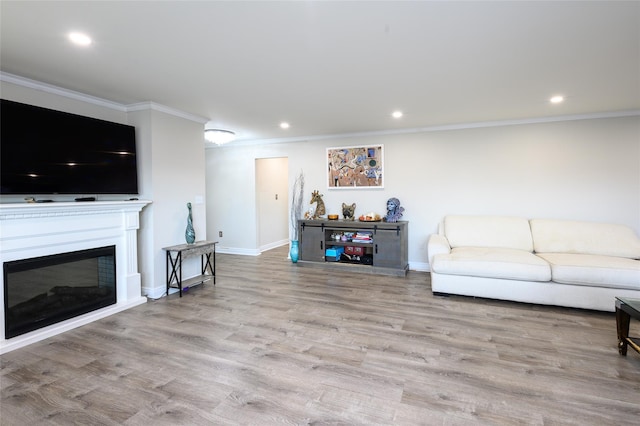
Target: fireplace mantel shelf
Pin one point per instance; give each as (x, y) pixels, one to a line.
(34, 210)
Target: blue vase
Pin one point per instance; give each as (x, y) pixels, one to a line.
(294, 252)
(190, 233)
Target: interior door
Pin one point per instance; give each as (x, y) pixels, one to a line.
(272, 201)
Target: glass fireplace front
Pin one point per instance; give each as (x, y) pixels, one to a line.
(41, 291)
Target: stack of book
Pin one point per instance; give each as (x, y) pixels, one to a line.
(362, 237)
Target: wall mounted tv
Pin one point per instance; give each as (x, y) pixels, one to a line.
(43, 151)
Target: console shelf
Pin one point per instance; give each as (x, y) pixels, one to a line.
(175, 254)
(385, 254)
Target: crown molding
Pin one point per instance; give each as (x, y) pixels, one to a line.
(50, 88)
(458, 126)
(143, 106)
(78, 96)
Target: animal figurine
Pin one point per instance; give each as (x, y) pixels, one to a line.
(316, 197)
(348, 211)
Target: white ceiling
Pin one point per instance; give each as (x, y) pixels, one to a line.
(335, 67)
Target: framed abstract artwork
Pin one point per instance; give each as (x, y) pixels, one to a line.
(355, 167)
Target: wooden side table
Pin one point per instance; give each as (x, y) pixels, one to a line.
(175, 254)
(625, 310)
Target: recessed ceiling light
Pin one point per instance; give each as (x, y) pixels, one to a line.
(556, 99)
(80, 39)
(397, 114)
(284, 125)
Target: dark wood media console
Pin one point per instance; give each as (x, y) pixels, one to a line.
(386, 253)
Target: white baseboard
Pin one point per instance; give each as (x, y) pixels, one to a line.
(241, 251)
(274, 245)
(419, 266)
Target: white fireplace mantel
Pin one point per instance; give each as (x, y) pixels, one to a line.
(40, 229)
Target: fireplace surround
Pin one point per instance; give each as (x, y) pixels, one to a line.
(29, 231)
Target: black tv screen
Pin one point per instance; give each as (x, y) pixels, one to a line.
(43, 151)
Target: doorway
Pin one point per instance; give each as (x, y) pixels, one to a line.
(272, 191)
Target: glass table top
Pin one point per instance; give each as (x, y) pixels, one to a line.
(633, 303)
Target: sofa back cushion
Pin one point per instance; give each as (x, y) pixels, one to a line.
(567, 236)
(488, 231)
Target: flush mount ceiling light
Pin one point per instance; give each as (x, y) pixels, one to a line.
(219, 136)
(284, 125)
(397, 114)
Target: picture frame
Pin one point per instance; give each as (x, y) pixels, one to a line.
(355, 167)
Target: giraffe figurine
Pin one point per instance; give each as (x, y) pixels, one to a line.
(316, 197)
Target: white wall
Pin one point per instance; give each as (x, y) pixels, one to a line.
(578, 169)
(173, 172)
(144, 144)
(231, 191)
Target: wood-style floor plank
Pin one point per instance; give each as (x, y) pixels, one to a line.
(274, 343)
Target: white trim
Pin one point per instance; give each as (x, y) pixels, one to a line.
(71, 94)
(37, 85)
(154, 292)
(459, 126)
(141, 106)
(273, 245)
(44, 210)
(240, 251)
(419, 266)
(49, 88)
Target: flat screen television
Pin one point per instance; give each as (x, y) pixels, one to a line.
(43, 151)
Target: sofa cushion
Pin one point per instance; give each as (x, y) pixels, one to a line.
(565, 236)
(492, 263)
(488, 231)
(594, 270)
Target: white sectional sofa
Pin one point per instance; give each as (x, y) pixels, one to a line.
(551, 262)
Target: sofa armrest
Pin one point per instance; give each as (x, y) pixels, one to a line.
(437, 244)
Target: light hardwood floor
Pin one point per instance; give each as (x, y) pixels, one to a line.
(276, 343)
